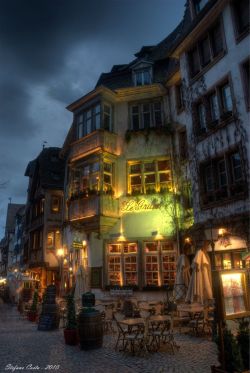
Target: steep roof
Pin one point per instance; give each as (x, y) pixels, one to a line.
(12, 211)
(120, 75)
(48, 167)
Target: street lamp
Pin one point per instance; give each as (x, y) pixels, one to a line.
(60, 254)
(218, 318)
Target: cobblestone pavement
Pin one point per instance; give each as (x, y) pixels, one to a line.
(21, 344)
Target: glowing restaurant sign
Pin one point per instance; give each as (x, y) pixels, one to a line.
(134, 205)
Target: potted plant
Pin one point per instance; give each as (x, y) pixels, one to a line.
(232, 355)
(32, 313)
(243, 338)
(70, 332)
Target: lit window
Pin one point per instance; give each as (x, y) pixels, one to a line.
(90, 177)
(55, 204)
(149, 176)
(122, 264)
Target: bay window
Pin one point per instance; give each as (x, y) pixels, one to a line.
(90, 176)
(94, 118)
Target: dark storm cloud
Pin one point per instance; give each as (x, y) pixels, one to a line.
(51, 53)
(15, 100)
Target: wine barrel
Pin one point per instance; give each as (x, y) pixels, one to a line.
(88, 299)
(90, 329)
(50, 313)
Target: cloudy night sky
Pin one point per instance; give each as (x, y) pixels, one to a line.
(52, 52)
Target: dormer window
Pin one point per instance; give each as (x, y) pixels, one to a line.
(142, 77)
(199, 5)
(94, 118)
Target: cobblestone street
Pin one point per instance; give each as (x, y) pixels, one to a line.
(21, 344)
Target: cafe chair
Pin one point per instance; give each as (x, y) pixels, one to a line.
(132, 340)
(108, 320)
(197, 324)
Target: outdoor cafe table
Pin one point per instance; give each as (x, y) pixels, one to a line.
(191, 310)
(132, 322)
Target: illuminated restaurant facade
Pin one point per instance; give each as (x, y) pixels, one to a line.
(123, 195)
(156, 138)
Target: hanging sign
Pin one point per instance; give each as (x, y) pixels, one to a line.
(77, 245)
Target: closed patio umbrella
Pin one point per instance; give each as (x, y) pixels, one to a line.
(182, 277)
(200, 286)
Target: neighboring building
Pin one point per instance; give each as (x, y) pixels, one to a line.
(5, 243)
(213, 91)
(16, 247)
(125, 187)
(43, 225)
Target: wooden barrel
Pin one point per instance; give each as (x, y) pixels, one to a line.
(88, 299)
(49, 318)
(90, 329)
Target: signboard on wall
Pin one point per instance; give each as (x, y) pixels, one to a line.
(139, 204)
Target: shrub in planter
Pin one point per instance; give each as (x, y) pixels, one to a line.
(232, 356)
(32, 314)
(70, 332)
(243, 338)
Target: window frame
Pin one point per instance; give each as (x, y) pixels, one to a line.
(224, 115)
(245, 81)
(233, 187)
(139, 114)
(86, 119)
(239, 34)
(143, 173)
(122, 262)
(196, 48)
(141, 72)
(58, 198)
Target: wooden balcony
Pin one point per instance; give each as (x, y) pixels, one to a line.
(94, 213)
(98, 140)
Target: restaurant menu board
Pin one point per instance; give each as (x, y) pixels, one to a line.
(233, 292)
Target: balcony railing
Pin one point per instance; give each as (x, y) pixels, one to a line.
(104, 140)
(83, 208)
